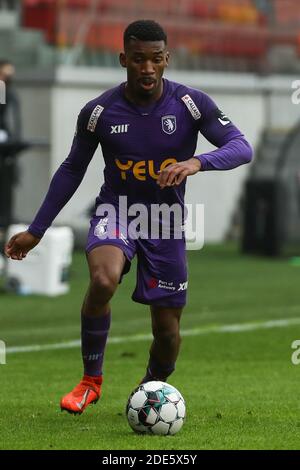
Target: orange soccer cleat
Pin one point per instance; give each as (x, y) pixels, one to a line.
(86, 392)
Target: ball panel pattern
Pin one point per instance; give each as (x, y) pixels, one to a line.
(156, 408)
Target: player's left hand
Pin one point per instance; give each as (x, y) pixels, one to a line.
(174, 174)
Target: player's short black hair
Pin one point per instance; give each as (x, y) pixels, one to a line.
(144, 30)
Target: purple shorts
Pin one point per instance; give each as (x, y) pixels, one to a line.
(161, 264)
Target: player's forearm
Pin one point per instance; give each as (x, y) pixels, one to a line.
(234, 153)
(62, 187)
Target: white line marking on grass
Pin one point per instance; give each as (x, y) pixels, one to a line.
(144, 321)
(235, 328)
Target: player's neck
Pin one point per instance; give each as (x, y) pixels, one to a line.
(143, 101)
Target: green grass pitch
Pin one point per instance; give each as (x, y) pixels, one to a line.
(241, 388)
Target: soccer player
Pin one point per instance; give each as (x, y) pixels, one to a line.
(148, 128)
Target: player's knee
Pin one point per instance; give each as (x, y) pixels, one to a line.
(104, 283)
(167, 328)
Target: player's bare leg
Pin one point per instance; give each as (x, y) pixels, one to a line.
(106, 264)
(166, 343)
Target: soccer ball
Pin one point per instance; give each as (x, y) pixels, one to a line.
(156, 408)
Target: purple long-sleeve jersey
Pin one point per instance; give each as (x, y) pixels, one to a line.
(138, 142)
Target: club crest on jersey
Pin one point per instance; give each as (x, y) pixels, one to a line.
(169, 124)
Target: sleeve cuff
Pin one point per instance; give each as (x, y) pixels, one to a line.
(35, 232)
(202, 160)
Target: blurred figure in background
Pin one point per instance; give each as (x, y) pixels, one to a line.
(10, 144)
(10, 116)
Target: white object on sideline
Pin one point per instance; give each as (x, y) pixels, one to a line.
(45, 269)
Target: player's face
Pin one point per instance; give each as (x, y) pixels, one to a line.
(145, 62)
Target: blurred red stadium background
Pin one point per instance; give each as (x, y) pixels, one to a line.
(244, 30)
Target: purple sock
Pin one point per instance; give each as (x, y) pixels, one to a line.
(156, 371)
(94, 332)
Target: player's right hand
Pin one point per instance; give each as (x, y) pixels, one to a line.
(20, 244)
